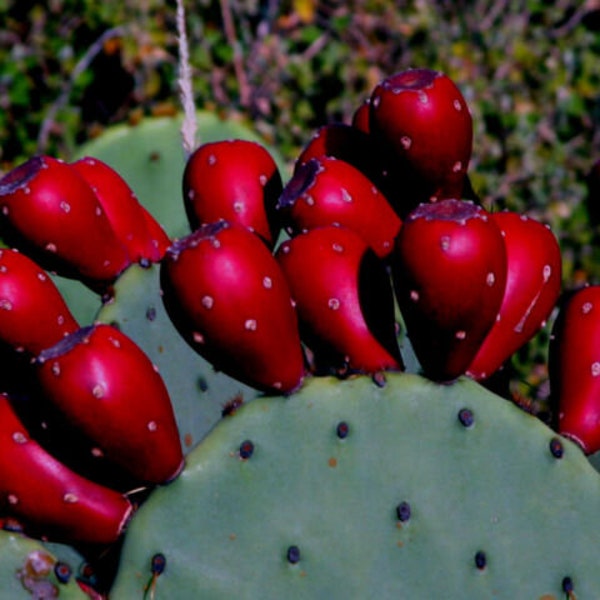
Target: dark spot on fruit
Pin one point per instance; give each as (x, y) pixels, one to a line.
(567, 585)
(151, 313)
(556, 448)
(303, 178)
(63, 572)
(342, 430)
(246, 449)
(202, 384)
(403, 512)
(293, 555)
(480, 560)
(154, 156)
(466, 417)
(158, 563)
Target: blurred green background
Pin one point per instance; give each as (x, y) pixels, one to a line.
(529, 69)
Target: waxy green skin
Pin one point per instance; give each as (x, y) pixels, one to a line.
(227, 525)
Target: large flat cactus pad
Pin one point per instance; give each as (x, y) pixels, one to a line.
(353, 490)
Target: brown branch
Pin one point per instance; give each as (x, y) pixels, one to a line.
(238, 63)
(67, 87)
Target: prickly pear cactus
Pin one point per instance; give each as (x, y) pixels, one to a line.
(28, 569)
(352, 489)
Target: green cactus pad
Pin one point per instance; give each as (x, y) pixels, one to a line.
(199, 394)
(352, 490)
(29, 570)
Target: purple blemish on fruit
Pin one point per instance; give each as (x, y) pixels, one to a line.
(302, 180)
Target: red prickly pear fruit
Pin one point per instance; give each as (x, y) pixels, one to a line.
(344, 299)
(449, 273)
(361, 116)
(236, 181)
(533, 284)
(122, 208)
(104, 385)
(229, 299)
(328, 191)
(51, 213)
(33, 314)
(574, 368)
(50, 499)
(159, 240)
(349, 144)
(422, 119)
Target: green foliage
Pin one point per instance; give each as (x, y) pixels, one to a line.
(229, 526)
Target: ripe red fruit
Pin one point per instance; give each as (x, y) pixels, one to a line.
(344, 299)
(422, 118)
(33, 314)
(159, 240)
(361, 116)
(349, 144)
(50, 499)
(50, 212)
(234, 180)
(129, 220)
(574, 368)
(104, 385)
(328, 191)
(533, 285)
(449, 273)
(229, 299)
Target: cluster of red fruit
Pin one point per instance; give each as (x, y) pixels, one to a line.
(386, 195)
(365, 199)
(375, 214)
(87, 382)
